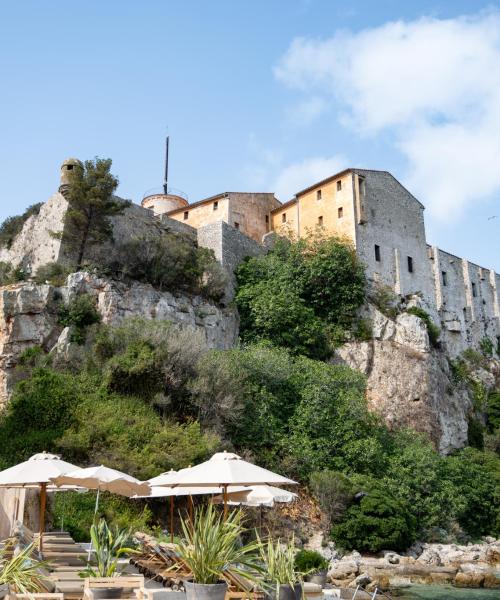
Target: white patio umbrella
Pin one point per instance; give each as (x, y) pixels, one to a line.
(225, 470)
(159, 491)
(103, 478)
(258, 495)
(37, 472)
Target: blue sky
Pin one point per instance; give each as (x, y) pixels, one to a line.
(260, 96)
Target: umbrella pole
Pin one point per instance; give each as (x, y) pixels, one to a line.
(95, 515)
(171, 519)
(190, 504)
(225, 501)
(96, 503)
(43, 501)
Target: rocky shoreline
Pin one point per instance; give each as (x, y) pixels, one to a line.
(468, 566)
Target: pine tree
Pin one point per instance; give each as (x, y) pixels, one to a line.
(91, 203)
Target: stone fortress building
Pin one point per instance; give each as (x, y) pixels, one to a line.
(385, 224)
(371, 209)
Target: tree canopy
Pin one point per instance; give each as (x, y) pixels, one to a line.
(91, 203)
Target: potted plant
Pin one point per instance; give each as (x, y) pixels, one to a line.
(20, 571)
(279, 564)
(108, 545)
(210, 548)
(311, 564)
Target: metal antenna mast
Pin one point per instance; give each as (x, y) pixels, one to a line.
(165, 180)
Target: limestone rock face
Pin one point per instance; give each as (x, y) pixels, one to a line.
(471, 565)
(408, 382)
(28, 316)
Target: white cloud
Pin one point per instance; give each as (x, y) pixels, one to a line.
(295, 177)
(434, 84)
(307, 111)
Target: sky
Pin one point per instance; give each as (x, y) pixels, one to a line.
(260, 95)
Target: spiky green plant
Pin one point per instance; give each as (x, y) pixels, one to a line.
(108, 545)
(211, 546)
(278, 561)
(21, 571)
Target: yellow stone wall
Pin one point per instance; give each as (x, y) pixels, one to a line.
(311, 209)
(288, 227)
(202, 214)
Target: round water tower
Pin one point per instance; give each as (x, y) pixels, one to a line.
(160, 202)
(67, 169)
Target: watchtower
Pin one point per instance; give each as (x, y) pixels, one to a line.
(67, 168)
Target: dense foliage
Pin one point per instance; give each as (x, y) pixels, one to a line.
(170, 262)
(303, 295)
(13, 225)
(146, 397)
(79, 313)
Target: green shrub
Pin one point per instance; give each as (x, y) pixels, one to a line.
(301, 294)
(10, 228)
(363, 330)
(171, 262)
(474, 358)
(475, 477)
(37, 415)
(128, 435)
(74, 512)
(331, 427)
(52, 273)
(79, 313)
(310, 561)
(475, 433)
(334, 492)
(377, 522)
(432, 329)
(493, 411)
(384, 298)
(10, 274)
(151, 359)
(486, 346)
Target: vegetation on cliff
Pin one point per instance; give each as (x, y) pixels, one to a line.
(10, 228)
(302, 295)
(145, 397)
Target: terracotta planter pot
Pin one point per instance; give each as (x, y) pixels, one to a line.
(202, 591)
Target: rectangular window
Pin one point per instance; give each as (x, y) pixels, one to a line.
(377, 253)
(216, 205)
(267, 219)
(236, 225)
(339, 185)
(410, 264)
(318, 195)
(474, 290)
(340, 212)
(444, 277)
(283, 218)
(186, 215)
(320, 221)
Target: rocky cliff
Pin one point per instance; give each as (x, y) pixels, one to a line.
(29, 315)
(410, 383)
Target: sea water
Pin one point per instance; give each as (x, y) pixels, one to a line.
(444, 592)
